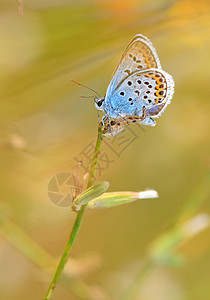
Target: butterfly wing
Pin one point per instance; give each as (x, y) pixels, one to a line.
(148, 91)
(139, 55)
(148, 95)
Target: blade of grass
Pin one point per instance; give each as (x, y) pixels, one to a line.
(41, 258)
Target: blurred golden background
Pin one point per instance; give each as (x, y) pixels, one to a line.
(46, 126)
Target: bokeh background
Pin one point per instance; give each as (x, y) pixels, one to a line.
(46, 127)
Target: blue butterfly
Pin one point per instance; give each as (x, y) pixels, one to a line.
(139, 89)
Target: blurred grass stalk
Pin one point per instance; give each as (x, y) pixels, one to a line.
(30, 249)
(163, 251)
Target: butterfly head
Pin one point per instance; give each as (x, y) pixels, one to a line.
(99, 103)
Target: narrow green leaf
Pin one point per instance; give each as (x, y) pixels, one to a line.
(92, 192)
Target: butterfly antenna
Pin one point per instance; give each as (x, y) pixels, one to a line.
(85, 97)
(86, 87)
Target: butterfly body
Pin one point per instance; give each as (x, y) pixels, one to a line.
(139, 88)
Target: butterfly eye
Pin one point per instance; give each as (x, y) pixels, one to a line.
(161, 93)
(99, 103)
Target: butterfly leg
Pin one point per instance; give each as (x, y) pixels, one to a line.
(105, 120)
(148, 121)
(124, 118)
(145, 119)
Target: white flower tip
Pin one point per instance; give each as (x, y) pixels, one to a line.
(149, 194)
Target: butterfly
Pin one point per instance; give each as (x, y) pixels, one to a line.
(139, 89)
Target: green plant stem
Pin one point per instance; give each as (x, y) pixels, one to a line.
(78, 220)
